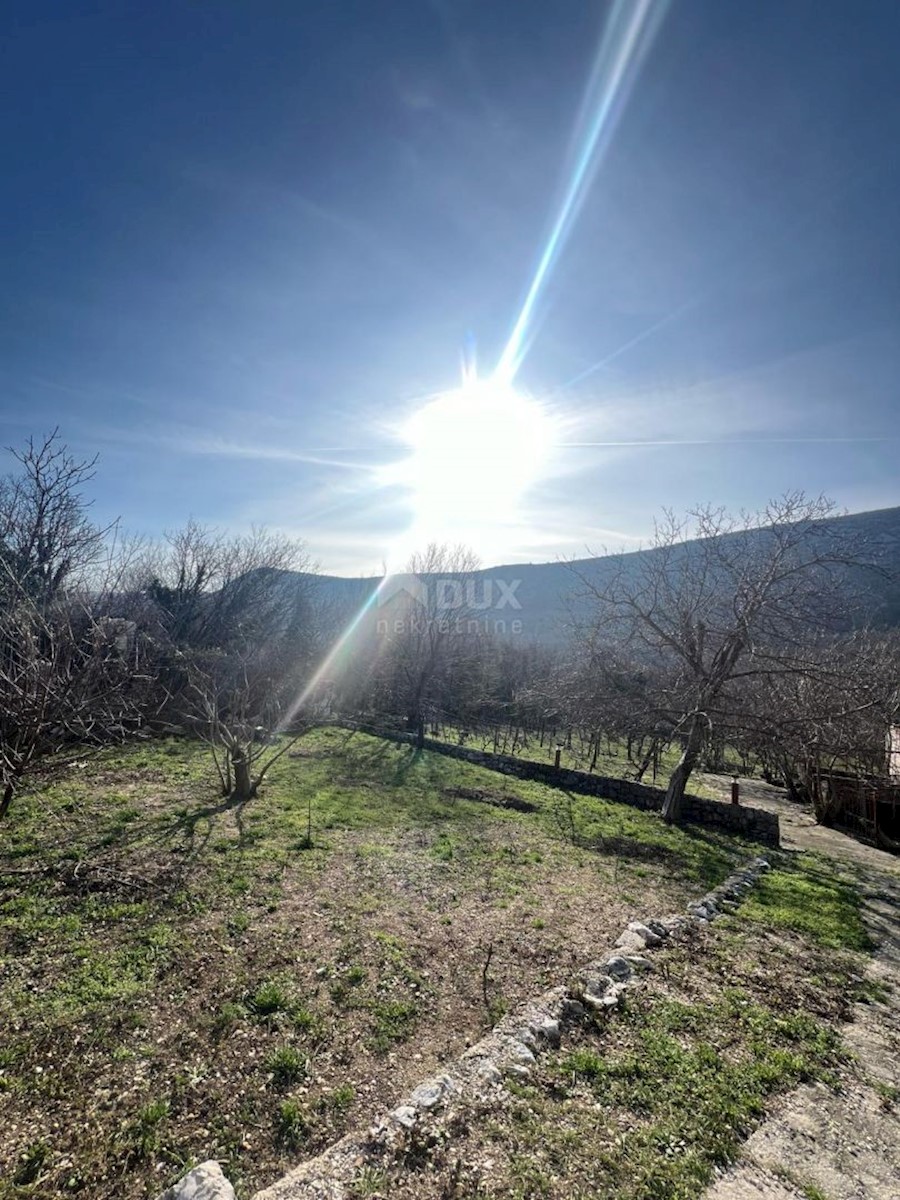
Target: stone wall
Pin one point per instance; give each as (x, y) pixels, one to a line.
(753, 823)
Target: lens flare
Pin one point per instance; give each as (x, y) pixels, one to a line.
(332, 662)
(629, 33)
(472, 455)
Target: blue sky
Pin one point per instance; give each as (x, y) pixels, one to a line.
(243, 243)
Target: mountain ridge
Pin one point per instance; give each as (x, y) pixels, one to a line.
(535, 601)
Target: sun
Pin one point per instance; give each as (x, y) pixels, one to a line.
(473, 454)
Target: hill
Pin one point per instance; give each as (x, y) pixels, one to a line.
(538, 601)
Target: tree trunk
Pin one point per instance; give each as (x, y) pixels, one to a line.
(243, 784)
(693, 747)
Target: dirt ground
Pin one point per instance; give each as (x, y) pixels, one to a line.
(819, 1145)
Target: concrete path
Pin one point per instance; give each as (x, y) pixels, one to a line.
(820, 1145)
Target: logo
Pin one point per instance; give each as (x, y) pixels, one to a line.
(447, 594)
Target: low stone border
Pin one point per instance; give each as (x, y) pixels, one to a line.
(508, 1052)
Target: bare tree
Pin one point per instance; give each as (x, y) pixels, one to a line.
(69, 670)
(745, 599)
(46, 537)
(235, 628)
(833, 718)
(68, 678)
(424, 632)
(239, 701)
(211, 588)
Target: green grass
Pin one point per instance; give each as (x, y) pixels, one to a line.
(354, 783)
(340, 1098)
(269, 998)
(143, 1135)
(292, 1123)
(31, 1162)
(393, 1020)
(287, 1065)
(806, 896)
(706, 1069)
(888, 1093)
(812, 1192)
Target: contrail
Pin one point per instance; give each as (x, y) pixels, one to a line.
(765, 441)
(630, 30)
(634, 341)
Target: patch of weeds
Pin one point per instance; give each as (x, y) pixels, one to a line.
(341, 988)
(339, 1099)
(888, 1094)
(393, 1022)
(102, 908)
(287, 1065)
(369, 1182)
(237, 923)
(686, 1082)
(128, 814)
(393, 952)
(269, 998)
(584, 1064)
(392, 947)
(111, 977)
(31, 1163)
(145, 1130)
(9, 1056)
(443, 848)
(308, 1022)
(812, 1192)
(873, 991)
(292, 1124)
(529, 1178)
(225, 1019)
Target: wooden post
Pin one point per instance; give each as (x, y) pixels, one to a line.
(735, 791)
(556, 756)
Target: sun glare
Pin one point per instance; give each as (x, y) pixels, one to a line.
(473, 453)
